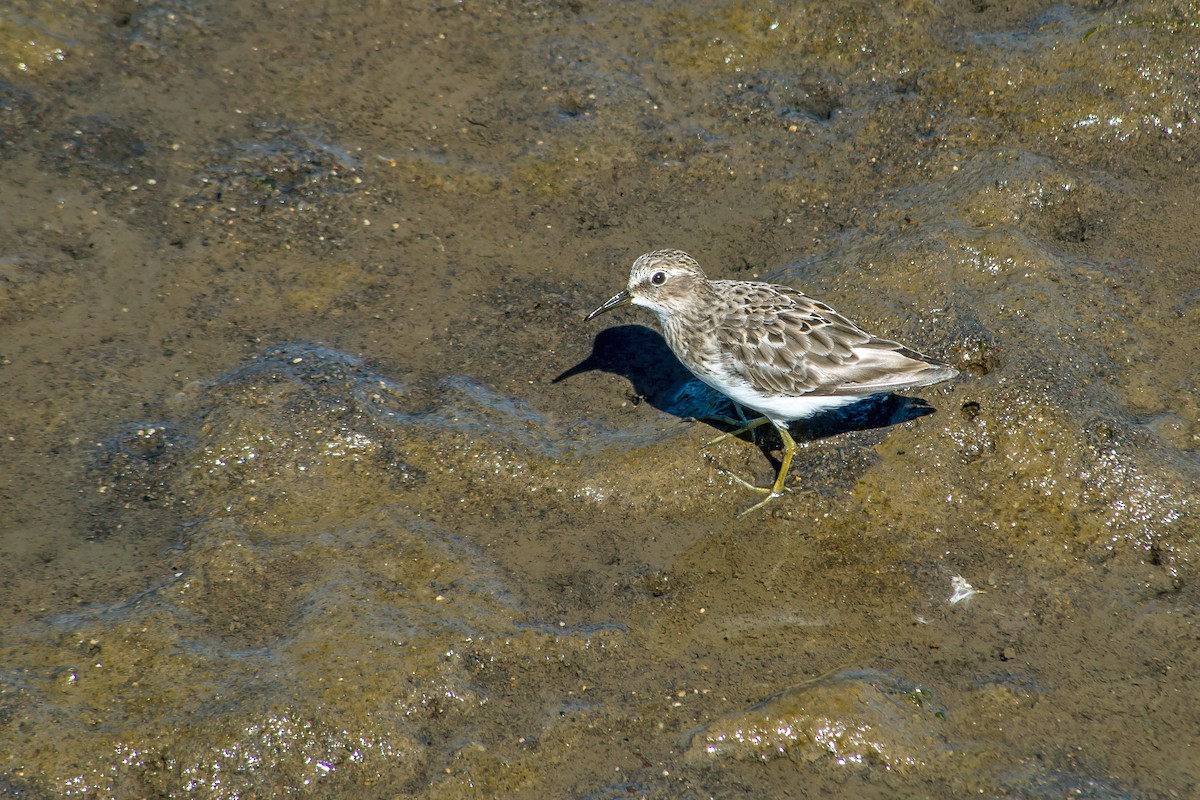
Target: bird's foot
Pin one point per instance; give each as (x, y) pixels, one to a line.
(771, 492)
(739, 479)
(771, 495)
(749, 426)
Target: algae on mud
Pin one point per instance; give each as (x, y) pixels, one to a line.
(411, 563)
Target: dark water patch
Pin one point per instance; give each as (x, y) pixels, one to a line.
(783, 99)
(21, 112)
(155, 30)
(1044, 784)
(46, 272)
(282, 178)
(134, 475)
(101, 147)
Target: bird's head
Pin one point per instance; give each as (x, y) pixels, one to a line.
(661, 281)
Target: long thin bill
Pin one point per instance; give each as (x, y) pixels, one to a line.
(621, 298)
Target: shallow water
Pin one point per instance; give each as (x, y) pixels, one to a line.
(315, 483)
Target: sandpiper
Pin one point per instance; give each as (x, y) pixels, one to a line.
(769, 348)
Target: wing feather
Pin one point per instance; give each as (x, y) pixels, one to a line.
(791, 345)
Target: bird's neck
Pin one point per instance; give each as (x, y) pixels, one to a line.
(687, 323)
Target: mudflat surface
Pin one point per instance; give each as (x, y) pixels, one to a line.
(313, 482)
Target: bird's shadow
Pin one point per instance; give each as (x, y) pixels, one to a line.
(642, 356)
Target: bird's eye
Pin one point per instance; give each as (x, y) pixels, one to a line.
(658, 278)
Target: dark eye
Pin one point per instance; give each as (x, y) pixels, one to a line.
(658, 278)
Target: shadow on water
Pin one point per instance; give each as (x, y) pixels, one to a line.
(642, 356)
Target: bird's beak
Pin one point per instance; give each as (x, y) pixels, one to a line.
(621, 298)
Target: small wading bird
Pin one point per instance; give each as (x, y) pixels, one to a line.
(769, 348)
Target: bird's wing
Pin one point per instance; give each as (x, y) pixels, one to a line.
(788, 344)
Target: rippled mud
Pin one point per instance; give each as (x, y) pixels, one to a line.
(315, 483)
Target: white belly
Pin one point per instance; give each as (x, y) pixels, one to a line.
(781, 409)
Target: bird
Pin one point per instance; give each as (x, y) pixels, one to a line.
(768, 348)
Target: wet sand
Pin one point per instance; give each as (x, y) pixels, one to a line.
(315, 483)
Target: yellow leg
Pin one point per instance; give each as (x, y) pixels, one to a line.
(749, 426)
(789, 450)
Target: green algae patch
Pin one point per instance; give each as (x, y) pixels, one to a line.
(333, 658)
(436, 173)
(559, 168)
(854, 718)
(730, 38)
(32, 40)
(1129, 77)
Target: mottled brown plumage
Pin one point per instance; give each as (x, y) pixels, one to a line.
(767, 347)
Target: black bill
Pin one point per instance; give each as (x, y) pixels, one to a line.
(621, 298)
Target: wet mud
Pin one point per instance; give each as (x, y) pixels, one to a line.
(314, 483)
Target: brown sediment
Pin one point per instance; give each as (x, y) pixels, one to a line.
(291, 501)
